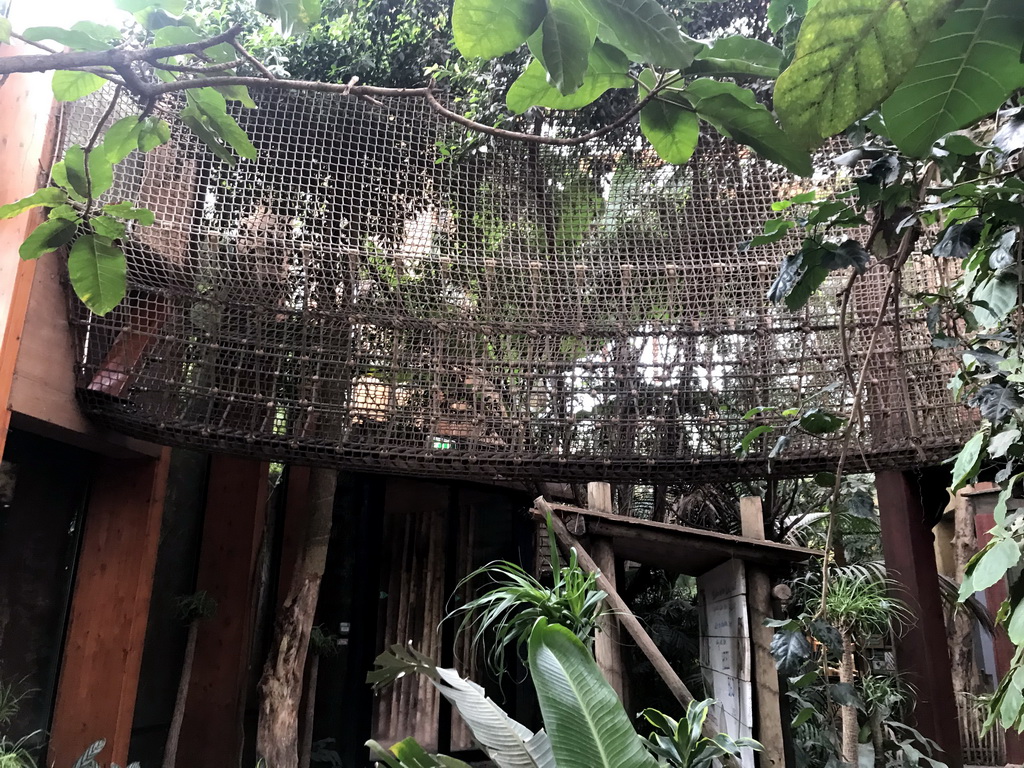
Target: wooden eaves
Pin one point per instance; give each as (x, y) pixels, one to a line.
(676, 548)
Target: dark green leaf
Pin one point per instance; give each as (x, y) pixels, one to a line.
(66, 212)
(959, 240)
(850, 56)
(845, 695)
(735, 113)
(743, 446)
(71, 86)
(803, 716)
(672, 129)
(995, 298)
(828, 635)
(971, 66)
(644, 29)
(154, 132)
(99, 178)
(47, 196)
(738, 55)
(107, 227)
(967, 461)
(779, 12)
(487, 29)
(566, 37)
(122, 138)
(97, 269)
(997, 402)
(825, 480)
(48, 236)
(791, 652)
(125, 210)
(607, 68)
(209, 108)
(819, 422)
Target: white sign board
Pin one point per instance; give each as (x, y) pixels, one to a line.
(725, 650)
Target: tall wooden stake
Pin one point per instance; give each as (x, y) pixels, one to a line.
(608, 644)
(768, 715)
(277, 735)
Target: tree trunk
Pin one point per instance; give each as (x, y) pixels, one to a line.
(961, 645)
(174, 732)
(851, 731)
(277, 735)
(306, 745)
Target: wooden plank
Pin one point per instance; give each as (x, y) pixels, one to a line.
(109, 610)
(769, 725)
(233, 526)
(628, 620)
(27, 132)
(679, 548)
(608, 643)
(922, 654)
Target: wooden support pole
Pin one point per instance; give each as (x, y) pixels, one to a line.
(608, 644)
(236, 502)
(768, 724)
(99, 676)
(922, 653)
(628, 620)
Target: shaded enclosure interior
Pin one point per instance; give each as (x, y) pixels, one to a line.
(383, 290)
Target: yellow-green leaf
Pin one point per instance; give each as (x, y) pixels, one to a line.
(98, 270)
(850, 56)
(487, 29)
(672, 129)
(48, 196)
(607, 69)
(48, 236)
(71, 86)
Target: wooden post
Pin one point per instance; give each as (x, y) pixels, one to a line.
(768, 725)
(922, 654)
(629, 622)
(608, 643)
(99, 676)
(236, 502)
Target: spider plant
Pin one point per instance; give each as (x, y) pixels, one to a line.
(516, 600)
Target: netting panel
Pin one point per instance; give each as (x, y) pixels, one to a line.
(382, 290)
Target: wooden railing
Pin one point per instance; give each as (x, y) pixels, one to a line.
(989, 749)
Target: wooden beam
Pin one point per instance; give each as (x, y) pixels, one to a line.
(608, 643)
(922, 654)
(109, 610)
(627, 619)
(769, 725)
(236, 503)
(27, 133)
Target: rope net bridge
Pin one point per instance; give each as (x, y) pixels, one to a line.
(384, 290)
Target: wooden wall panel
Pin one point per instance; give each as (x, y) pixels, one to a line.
(109, 610)
(233, 527)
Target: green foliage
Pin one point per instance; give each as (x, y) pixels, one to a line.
(97, 269)
(682, 744)
(489, 28)
(607, 68)
(964, 74)
(850, 56)
(71, 86)
(566, 36)
(504, 616)
(409, 754)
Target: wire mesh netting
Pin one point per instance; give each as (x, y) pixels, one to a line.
(384, 290)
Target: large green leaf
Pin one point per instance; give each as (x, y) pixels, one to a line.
(51, 197)
(508, 743)
(71, 86)
(408, 753)
(971, 67)
(644, 29)
(83, 36)
(491, 28)
(738, 55)
(97, 269)
(850, 56)
(735, 113)
(206, 114)
(606, 68)
(567, 35)
(72, 171)
(5, 30)
(585, 720)
(48, 236)
(672, 129)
